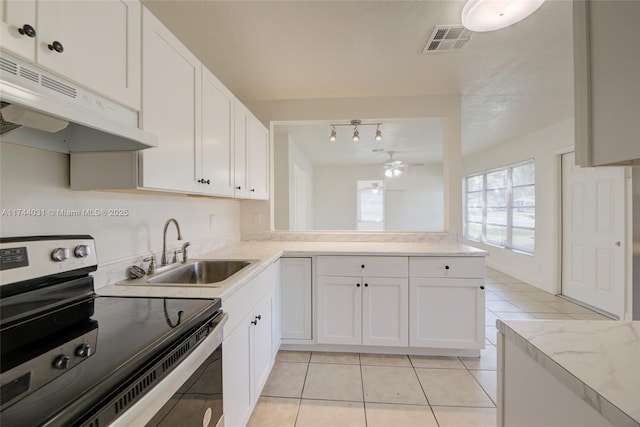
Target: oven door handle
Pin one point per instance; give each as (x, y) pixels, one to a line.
(218, 324)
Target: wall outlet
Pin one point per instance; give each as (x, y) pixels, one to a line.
(212, 221)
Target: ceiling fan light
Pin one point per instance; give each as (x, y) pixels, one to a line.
(396, 172)
(491, 15)
(388, 173)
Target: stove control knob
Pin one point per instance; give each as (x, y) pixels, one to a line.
(82, 251)
(61, 362)
(60, 254)
(83, 350)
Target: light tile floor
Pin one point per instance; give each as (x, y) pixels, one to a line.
(345, 389)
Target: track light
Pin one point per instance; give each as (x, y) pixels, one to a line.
(356, 133)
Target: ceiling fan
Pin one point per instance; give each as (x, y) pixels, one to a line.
(392, 167)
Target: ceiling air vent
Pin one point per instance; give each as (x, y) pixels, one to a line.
(446, 38)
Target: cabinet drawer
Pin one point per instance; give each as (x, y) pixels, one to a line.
(461, 267)
(372, 266)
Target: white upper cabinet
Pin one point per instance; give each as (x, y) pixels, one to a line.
(208, 142)
(251, 155)
(18, 28)
(93, 43)
(258, 159)
(171, 109)
(215, 157)
(607, 93)
(241, 173)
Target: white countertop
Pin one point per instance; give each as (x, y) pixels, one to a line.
(598, 360)
(264, 253)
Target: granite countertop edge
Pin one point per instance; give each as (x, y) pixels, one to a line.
(593, 398)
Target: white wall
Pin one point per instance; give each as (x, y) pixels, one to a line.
(281, 181)
(413, 201)
(544, 146)
(298, 160)
(446, 107)
(335, 195)
(38, 179)
(288, 156)
(417, 201)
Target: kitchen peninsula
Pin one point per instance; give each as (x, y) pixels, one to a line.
(423, 298)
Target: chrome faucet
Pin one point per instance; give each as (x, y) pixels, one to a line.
(163, 259)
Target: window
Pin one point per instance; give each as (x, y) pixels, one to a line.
(500, 207)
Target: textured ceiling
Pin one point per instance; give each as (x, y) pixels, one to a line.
(512, 82)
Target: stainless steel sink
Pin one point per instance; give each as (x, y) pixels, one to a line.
(200, 273)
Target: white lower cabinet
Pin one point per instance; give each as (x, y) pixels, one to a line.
(385, 309)
(361, 309)
(339, 310)
(446, 297)
(236, 374)
(295, 298)
(248, 346)
(446, 313)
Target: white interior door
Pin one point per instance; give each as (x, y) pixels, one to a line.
(593, 213)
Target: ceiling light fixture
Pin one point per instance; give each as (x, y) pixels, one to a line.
(332, 138)
(356, 132)
(491, 15)
(378, 134)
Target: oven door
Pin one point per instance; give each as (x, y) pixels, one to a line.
(191, 395)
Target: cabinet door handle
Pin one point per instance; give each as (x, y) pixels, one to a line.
(27, 30)
(238, 188)
(366, 285)
(253, 190)
(446, 267)
(362, 266)
(57, 46)
(259, 317)
(254, 322)
(482, 287)
(357, 285)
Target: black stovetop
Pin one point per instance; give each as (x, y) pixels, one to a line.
(131, 332)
